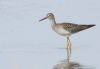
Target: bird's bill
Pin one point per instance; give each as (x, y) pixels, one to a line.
(43, 18)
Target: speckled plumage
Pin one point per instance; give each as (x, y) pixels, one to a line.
(74, 28)
(66, 29)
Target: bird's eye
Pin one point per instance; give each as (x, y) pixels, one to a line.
(48, 15)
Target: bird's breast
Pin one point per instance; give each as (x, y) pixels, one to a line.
(60, 30)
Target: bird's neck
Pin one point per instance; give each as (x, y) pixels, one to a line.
(53, 22)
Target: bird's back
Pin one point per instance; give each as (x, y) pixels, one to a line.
(73, 28)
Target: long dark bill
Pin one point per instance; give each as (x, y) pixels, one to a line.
(43, 19)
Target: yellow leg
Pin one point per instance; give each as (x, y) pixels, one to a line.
(67, 42)
(69, 46)
(68, 56)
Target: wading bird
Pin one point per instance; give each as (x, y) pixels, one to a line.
(65, 29)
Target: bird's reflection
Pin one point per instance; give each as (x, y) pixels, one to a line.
(68, 64)
(71, 65)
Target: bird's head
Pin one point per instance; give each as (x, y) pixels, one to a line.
(49, 16)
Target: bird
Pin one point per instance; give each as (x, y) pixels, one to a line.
(66, 29)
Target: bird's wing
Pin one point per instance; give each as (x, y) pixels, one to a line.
(72, 28)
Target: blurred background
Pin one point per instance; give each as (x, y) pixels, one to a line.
(26, 43)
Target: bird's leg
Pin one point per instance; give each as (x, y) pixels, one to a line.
(68, 56)
(69, 46)
(68, 49)
(67, 42)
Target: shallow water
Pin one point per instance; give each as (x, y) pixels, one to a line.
(45, 58)
(26, 43)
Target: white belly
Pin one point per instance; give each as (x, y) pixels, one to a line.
(61, 31)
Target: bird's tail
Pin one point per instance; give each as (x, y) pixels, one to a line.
(87, 26)
(81, 27)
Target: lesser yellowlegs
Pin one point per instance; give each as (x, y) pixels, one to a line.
(65, 29)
